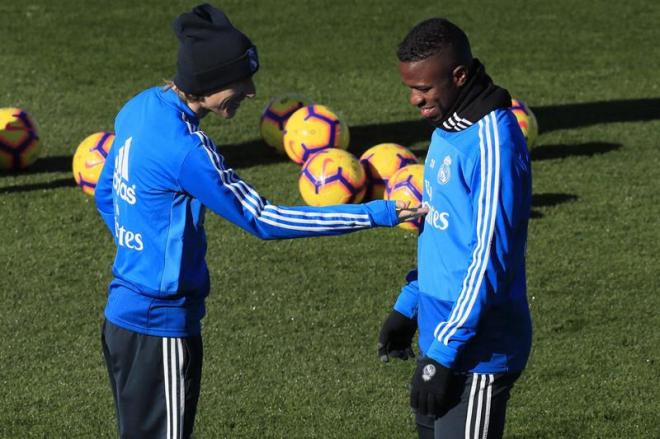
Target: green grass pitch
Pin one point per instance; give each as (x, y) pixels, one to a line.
(291, 326)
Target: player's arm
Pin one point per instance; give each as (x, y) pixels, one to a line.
(103, 191)
(501, 197)
(398, 330)
(204, 176)
(406, 303)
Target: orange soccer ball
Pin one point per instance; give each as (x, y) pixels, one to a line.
(526, 120)
(381, 162)
(19, 139)
(332, 176)
(274, 118)
(89, 159)
(407, 184)
(312, 129)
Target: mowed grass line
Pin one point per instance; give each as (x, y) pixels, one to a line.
(291, 326)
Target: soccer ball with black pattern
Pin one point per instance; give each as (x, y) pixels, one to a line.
(332, 176)
(19, 139)
(89, 159)
(274, 117)
(407, 184)
(381, 162)
(526, 121)
(312, 129)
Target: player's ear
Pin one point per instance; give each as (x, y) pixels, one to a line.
(460, 75)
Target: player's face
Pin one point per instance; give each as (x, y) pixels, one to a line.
(225, 102)
(434, 85)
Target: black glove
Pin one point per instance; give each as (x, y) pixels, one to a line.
(396, 336)
(429, 390)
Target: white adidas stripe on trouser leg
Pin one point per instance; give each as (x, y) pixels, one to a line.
(479, 406)
(174, 386)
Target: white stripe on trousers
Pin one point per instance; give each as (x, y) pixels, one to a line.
(174, 386)
(484, 384)
(489, 395)
(182, 387)
(477, 422)
(468, 416)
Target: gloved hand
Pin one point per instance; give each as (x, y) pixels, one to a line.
(429, 390)
(396, 336)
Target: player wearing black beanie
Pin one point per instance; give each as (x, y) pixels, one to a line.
(159, 179)
(213, 53)
(151, 336)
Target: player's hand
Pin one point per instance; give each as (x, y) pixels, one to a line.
(395, 339)
(429, 390)
(407, 213)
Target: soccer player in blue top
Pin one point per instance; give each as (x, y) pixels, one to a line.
(161, 174)
(468, 296)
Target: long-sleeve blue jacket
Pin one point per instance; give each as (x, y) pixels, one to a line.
(159, 176)
(470, 297)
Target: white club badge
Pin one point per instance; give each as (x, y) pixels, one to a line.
(444, 174)
(428, 372)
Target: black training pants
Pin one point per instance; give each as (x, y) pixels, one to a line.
(479, 413)
(154, 381)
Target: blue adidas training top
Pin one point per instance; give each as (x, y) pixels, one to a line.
(159, 176)
(470, 295)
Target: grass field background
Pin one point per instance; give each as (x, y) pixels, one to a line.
(291, 326)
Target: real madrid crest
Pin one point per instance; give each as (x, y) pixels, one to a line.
(444, 174)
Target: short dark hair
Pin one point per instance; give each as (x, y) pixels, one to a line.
(433, 36)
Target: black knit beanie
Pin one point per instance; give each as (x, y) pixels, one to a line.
(213, 53)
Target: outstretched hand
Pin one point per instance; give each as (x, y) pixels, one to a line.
(407, 213)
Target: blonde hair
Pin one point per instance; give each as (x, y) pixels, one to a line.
(188, 97)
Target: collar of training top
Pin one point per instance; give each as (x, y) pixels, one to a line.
(172, 98)
(478, 97)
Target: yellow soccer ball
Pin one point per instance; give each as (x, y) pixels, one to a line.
(19, 139)
(89, 159)
(526, 121)
(332, 176)
(407, 184)
(274, 117)
(312, 129)
(381, 162)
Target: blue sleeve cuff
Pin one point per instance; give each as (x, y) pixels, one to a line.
(407, 301)
(442, 354)
(382, 213)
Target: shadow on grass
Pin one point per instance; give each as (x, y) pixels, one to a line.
(251, 153)
(551, 117)
(566, 116)
(547, 152)
(44, 165)
(549, 199)
(406, 133)
(55, 184)
(256, 152)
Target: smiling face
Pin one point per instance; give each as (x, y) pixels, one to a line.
(434, 84)
(224, 103)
